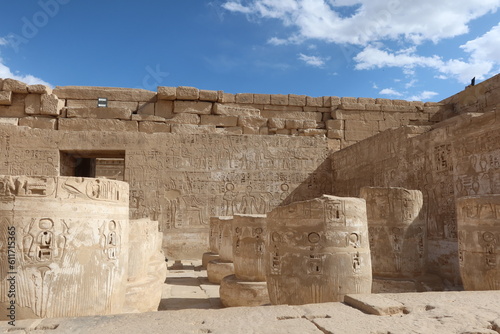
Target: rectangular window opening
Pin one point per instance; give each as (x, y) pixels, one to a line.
(98, 164)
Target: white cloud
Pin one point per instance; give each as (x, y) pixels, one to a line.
(5, 72)
(463, 71)
(313, 60)
(425, 95)
(3, 41)
(411, 83)
(390, 91)
(410, 20)
(486, 47)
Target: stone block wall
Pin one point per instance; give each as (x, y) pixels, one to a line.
(455, 158)
(189, 110)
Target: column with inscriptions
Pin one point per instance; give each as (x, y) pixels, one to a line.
(318, 251)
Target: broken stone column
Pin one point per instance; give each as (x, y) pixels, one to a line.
(147, 268)
(218, 269)
(397, 237)
(478, 219)
(213, 238)
(66, 243)
(247, 287)
(318, 251)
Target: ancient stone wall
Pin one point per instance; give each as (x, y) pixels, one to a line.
(188, 110)
(458, 157)
(479, 98)
(182, 179)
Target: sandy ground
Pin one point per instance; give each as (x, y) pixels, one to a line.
(190, 304)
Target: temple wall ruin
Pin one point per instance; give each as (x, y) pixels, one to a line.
(181, 179)
(188, 110)
(455, 158)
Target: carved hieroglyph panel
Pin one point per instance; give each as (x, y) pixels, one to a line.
(71, 244)
(396, 230)
(479, 241)
(182, 180)
(320, 254)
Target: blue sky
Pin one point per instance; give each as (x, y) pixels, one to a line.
(416, 50)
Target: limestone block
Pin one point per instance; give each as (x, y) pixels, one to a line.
(309, 124)
(335, 134)
(318, 251)
(101, 113)
(352, 106)
(193, 107)
(111, 93)
(315, 116)
(478, 219)
(146, 267)
(397, 108)
(15, 86)
(234, 110)
(225, 97)
(154, 127)
(32, 104)
(262, 98)
(373, 106)
(397, 231)
(359, 130)
(219, 120)
(1, 84)
(145, 117)
(192, 129)
(297, 100)
(146, 108)
(184, 119)
(235, 292)
(383, 101)
(218, 269)
(187, 93)
(164, 109)
(72, 236)
(314, 132)
(249, 235)
(5, 97)
(9, 120)
(366, 100)
(244, 98)
(277, 123)
(283, 132)
(286, 108)
(132, 106)
(38, 122)
(51, 105)
(279, 99)
(335, 124)
(250, 130)
(16, 109)
(314, 101)
(264, 131)
(93, 124)
(232, 130)
(294, 124)
(373, 116)
(39, 89)
(252, 121)
(375, 304)
(209, 95)
(348, 100)
(166, 93)
(401, 102)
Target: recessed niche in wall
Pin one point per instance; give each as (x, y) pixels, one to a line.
(104, 164)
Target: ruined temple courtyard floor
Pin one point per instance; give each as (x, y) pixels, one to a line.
(191, 304)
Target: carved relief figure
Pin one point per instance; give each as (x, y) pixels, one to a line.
(229, 200)
(248, 205)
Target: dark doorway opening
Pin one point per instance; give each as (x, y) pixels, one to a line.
(100, 164)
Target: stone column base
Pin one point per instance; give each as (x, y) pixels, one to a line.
(207, 257)
(234, 292)
(218, 269)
